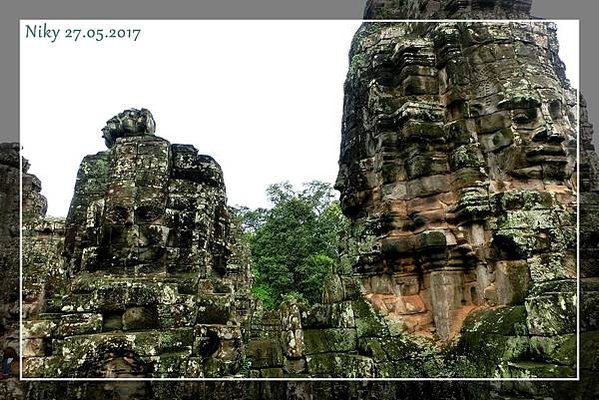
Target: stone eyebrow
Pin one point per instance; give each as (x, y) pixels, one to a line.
(519, 102)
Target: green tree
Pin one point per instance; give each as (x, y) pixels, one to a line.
(294, 244)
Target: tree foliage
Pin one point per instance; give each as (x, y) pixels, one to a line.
(294, 244)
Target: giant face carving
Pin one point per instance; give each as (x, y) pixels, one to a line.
(456, 168)
(135, 227)
(142, 206)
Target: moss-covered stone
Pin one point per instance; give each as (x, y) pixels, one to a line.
(37, 329)
(272, 373)
(336, 315)
(368, 323)
(529, 369)
(139, 318)
(170, 365)
(264, 353)
(78, 324)
(340, 365)
(176, 339)
(554, 349)
(507, 321)
(329, 340)
(553, 313)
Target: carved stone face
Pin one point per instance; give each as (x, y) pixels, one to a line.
(135, 233)
(527, 138)
(148, 246)
(134, 227)
(162, 209)
(456, 168)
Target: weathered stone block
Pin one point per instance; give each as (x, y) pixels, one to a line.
(34, 348)
(428, 185)
(42, 367)
(340, 365)
(589, 350)
(272, 373)
(505, 321)
(447, 295)
(145, 343)
(512, 279)
(293, 367)
(333, 289)
(368, 323)
(589, 314)
(338, 315)
(430, 240)
(420, 85)
(178, 339)
(293, 343)
(530, 369)
(37, 329)
(112, 322)
(548, 267)
(194, 368)
(551, 313)
(328, 340)
(225, 332)
(140, 318)
(170, 365)
(213, 309)
(264, 353)
(554, 350)
(78, 324)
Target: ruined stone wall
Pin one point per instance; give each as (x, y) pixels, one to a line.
(42, 239)
(589, 254)
(43, 266)
(9, 261)
(9, 239)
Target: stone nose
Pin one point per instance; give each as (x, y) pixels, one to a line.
(548, 135)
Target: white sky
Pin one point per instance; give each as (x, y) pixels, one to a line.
(264, 98)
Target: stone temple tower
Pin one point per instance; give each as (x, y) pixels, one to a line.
(457, 172)
(152, 286)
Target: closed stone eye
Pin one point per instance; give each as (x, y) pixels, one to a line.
(118, 214)
(524, 116)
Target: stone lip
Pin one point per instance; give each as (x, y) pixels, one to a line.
(130, 122)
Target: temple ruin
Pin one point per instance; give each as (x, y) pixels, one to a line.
(457, 172)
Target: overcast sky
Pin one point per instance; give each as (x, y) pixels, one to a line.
(264, 98)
